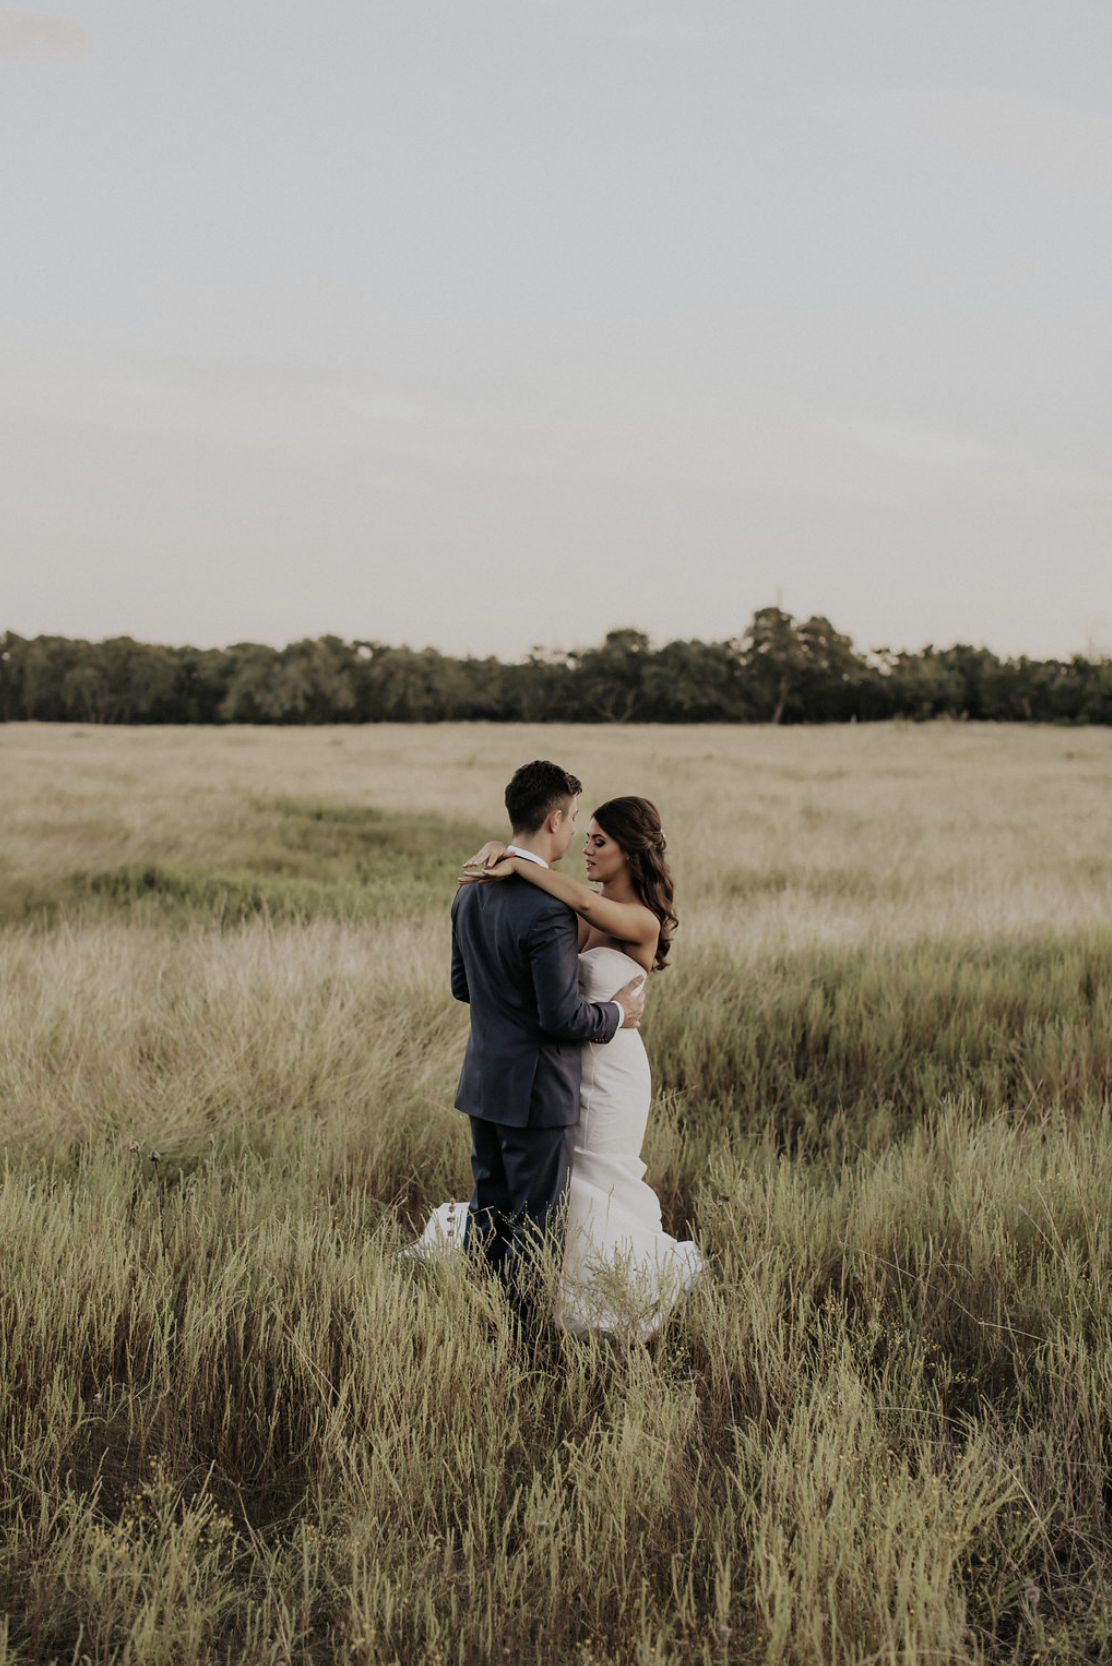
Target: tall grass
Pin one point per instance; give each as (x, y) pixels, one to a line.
(847, 1048)
(237, 1426)
(881, 1429)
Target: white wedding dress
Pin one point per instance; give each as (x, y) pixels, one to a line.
(622, 1272)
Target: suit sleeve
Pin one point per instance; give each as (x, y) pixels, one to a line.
(555, 964)
(459, 971)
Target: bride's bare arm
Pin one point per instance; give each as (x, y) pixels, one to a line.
(629, 922)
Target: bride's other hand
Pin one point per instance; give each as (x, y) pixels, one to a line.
(631, 999)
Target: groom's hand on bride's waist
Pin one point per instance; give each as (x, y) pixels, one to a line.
(631, 999)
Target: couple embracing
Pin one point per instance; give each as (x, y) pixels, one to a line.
(555, 1079)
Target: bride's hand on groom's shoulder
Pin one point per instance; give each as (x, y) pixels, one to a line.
(492, 852)
(479, 876)
(487, 864)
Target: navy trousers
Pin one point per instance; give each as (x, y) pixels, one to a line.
(517, 1208)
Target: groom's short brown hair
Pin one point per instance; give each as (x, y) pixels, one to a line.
(535, 791)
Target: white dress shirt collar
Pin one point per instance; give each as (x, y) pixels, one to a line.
(529, 855)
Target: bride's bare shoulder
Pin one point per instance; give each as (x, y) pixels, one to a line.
(642, 954)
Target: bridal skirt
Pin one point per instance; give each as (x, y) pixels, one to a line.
(622, 1273)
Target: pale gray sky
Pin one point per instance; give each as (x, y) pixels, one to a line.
(486, 323)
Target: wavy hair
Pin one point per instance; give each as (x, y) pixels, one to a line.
(634, 824)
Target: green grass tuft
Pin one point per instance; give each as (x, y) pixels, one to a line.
(293, 862)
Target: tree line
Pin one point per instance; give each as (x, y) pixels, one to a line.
(778, 670)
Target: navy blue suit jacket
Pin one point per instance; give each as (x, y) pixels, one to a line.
(514, 958)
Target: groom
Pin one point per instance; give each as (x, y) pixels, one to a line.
(514, 959)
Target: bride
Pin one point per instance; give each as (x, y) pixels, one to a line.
(622, 1272)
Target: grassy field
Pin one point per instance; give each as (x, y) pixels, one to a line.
(237, 1428)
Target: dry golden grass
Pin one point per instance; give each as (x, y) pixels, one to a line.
(236, 1427)
(779, 836)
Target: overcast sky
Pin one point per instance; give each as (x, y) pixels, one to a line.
(492, 323)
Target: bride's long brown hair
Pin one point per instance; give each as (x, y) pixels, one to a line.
(634, 824)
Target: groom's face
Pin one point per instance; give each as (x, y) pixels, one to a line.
(564, 832)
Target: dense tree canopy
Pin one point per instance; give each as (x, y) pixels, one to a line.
(779, 670)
